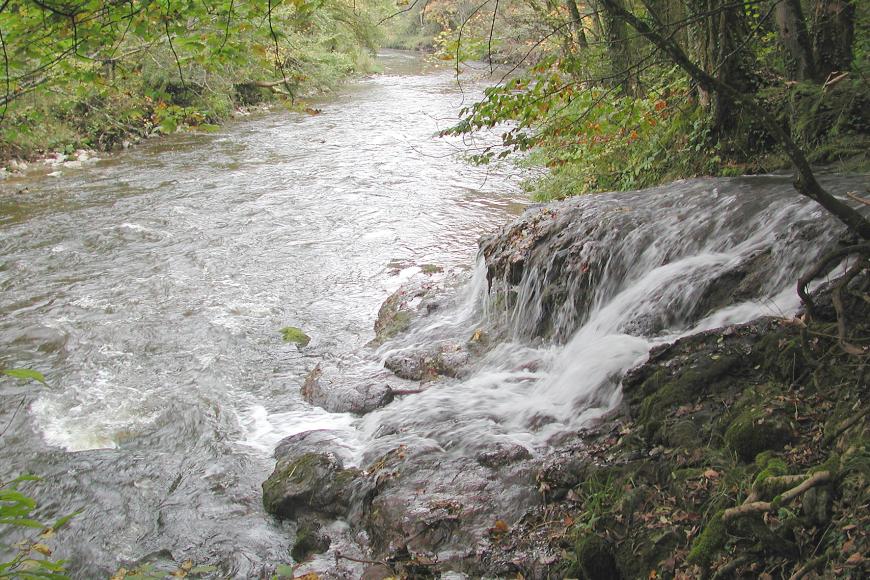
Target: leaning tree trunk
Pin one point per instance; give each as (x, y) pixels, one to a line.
(833, 36)
(800, 65)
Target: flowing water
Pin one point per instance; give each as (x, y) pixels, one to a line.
(150, 290)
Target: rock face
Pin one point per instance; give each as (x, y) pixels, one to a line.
(550, 268)
(338, 397)
(441, 508)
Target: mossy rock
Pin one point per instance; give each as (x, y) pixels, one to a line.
(683, 434)
(595, 559)
(708, 544)
(313, 483)
(309, 541)
(295, 335)
(751, 433)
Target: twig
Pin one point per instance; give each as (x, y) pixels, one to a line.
(14, 414)
(340, 556)
(853, 195)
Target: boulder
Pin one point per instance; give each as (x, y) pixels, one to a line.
(313, 483)
(338, 397)
(448, 359)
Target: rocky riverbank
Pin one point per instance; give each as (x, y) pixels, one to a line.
(737, 451)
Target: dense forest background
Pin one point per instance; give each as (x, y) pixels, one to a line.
(580, 89)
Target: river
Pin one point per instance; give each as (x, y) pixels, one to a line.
(150, 287)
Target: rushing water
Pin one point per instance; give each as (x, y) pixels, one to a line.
(149, 288)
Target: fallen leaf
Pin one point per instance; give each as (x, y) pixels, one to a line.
(854, 559)
(42, 549)
(711, 474)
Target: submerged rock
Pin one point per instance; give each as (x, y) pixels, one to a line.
(401, 308)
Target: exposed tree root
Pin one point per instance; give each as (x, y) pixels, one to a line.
(748, 508)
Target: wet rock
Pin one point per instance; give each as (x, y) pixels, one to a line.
(315, 441)
(313, 483)
(309, 541)
(447, 359)
(434, 505)
(378, 572)
(400, 309)
(503, 454)
(337, 397)
(548, 269)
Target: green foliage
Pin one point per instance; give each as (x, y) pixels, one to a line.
(27, 374)
(590, 137)
(121, 70)
(32, 557)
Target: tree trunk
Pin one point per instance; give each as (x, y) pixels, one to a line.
(833, 35)
(618, 49)
(715, 38)
(795, 39)
(805, 182)
(577, 23)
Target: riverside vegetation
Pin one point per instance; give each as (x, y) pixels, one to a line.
(740, 451)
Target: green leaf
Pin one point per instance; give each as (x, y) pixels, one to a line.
(25, 374)
(295, 335)
(23, 522)
(285, 571)
(168, 125)
(62, 521)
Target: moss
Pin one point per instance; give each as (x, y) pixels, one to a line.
(771, 467)
(751, 433)
(711, 540)
(295, 335)
(309, 541)
(663, 391)
(682, 434)
(595, 559)
(431, 269)
(781, 356)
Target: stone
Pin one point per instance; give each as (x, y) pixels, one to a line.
(503, 454)
(313, 483)
(339, 397)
